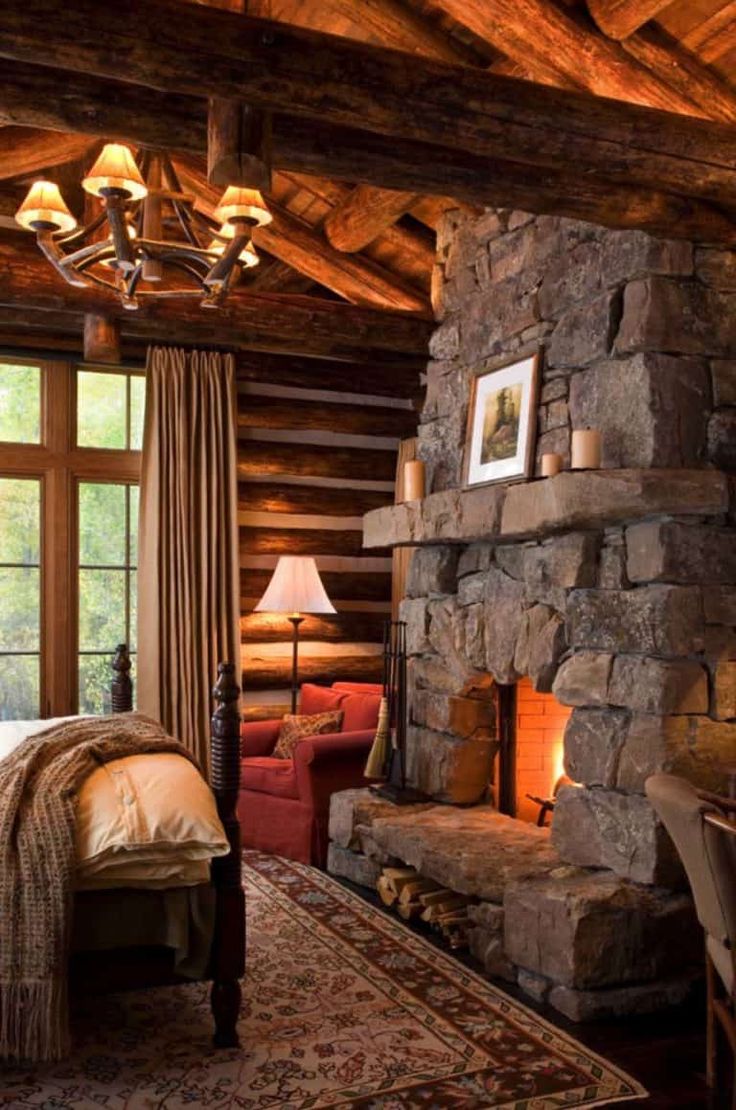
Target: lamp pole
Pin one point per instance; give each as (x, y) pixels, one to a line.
(295, 620)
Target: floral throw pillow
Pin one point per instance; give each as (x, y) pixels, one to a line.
(295, 727)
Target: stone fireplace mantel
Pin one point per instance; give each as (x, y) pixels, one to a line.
(531, 510)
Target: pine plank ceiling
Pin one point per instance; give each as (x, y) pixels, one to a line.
(373, 247)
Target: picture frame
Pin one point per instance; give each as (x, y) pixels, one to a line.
(502, 420)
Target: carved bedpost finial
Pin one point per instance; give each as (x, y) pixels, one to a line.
(225, 745)
(121, 687)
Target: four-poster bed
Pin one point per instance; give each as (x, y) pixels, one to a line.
(143, 965)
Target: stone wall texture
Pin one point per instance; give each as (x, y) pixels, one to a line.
(628, 616)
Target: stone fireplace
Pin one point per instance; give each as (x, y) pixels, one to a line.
(612, 591)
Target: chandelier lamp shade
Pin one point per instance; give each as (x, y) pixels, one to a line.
(295, 589)
(145, 239)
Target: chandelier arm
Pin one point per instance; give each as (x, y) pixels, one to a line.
(132, 281)
(80, 233)
(93, 252)
(220, 272)
(51, 250)
(115, 206)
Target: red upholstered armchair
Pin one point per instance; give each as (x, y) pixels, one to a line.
(284, 804)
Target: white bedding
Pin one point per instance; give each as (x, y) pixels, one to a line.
(144, 821)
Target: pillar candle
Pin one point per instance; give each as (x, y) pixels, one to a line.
(586, 449)
(551, 465)
(413, 480)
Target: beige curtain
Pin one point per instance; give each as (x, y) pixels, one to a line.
(401, 555)
(188, 577)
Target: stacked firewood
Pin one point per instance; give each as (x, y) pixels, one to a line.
(416, 897)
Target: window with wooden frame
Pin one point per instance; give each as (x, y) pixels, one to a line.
(70, 439)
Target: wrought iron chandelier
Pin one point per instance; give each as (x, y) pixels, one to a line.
(126, 245)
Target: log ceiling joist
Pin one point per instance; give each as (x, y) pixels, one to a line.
(620, 18)
(465, 113)
(268, 322)
(28, 151)
(289, 239)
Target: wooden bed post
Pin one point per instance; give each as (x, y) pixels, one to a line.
(121, 687)
(228, 950)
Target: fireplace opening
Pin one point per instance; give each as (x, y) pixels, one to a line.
(530, 761)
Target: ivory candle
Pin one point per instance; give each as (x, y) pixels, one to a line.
(586, 449)
(551, 464)
(413, 480)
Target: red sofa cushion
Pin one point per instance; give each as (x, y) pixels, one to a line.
(359, 687)
(268, 775)
(360, 710)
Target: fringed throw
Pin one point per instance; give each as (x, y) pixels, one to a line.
(39, 782)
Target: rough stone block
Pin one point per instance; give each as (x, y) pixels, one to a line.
(594, 739)
(571, 277)
(351, 808)
(723, 372)
(724, 691)
(488, 950)
(353, 866)
(432, 571)
(476, 851)
(598, 498)
(612, 574)
(594, 827)
(584, 333)
(471, 589)
(616, 1002)
(716, 268)
(448, 769)
(565, 561)
(669, 551)
(477, 557)
(696, 748)
(536, 986)
(540, 645)
(658, 685)
(493, 317)
(445, 341)
(503, 621)
(651, 409)
(488, 915)
(658, 620)
(722, 439)
(560, 926)
(583, 679)
(415, 612)
(660, 314)
(630, 254)
(719, 604)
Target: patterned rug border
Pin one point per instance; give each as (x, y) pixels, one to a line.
(510, 1009)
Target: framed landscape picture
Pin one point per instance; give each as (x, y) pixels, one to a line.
(502, 422)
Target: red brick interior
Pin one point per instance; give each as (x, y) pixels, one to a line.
(540, 727)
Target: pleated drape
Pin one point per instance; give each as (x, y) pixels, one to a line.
(401, 555)
(188, 576)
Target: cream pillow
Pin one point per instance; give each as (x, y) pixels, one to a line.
(150, 807)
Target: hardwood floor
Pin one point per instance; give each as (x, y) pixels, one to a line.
(665, 1052)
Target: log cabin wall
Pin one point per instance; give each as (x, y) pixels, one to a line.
(311, 461)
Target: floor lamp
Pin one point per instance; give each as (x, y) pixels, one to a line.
(295, 589)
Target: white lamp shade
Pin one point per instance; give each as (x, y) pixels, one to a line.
(295, 587)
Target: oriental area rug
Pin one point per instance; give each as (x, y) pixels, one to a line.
(343, 1006)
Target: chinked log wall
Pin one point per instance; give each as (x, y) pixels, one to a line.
(313, 457)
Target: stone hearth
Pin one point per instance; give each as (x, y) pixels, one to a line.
(613, 589)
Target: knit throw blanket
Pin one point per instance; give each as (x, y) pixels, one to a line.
(39, 782)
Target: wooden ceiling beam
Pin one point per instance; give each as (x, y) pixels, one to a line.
(363, 215)
(292, 241)
(277, 277)
(684, 71)
(256, 322)
(641, 69)
(25, 151)
(620, 18)
(546, 39)
(189, 50)
(714, 37)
